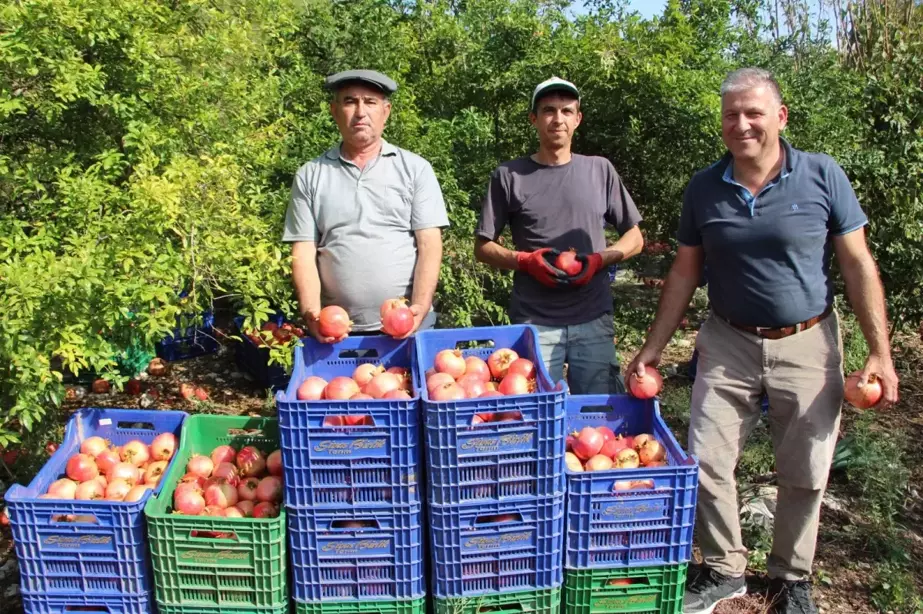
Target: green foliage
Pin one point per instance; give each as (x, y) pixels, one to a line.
(148, 146)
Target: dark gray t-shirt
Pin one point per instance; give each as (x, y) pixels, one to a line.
(768, 256)
(562, 207)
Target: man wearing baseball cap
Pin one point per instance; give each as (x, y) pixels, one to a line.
(365, 217)
(553, 201)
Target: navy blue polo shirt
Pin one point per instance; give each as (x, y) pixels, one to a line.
(768, 255)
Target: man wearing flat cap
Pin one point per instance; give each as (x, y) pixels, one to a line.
(365, 217)
(554, 201)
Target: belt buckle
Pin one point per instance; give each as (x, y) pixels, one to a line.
(760, 329)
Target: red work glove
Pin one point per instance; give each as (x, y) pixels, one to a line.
(538, 265)
(592, 263)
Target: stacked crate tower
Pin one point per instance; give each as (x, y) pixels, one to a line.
(353, 487)
(495, 483)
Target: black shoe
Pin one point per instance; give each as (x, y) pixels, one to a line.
(792, 597)
(708, 587)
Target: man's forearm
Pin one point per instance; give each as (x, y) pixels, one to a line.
(494, 254)
(674, 299)
(426, 271)
(627, 246)
(867, 297)
(306, 278)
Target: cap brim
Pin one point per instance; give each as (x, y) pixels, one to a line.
(353, 80)
(555, 87)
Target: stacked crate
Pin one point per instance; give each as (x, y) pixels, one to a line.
(495, 488)
(353, 493)
(82, 555)
(212, 564)
(629, 531)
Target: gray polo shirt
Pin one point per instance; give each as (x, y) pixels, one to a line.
(363, 223)
(768, 256)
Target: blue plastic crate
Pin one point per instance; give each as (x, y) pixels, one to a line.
(481, 549)
(333, 559)
(191, 341)
(492, 461)
(612, 525)
(142, 603)
(255, 359)
(105, 553)
(332, 467)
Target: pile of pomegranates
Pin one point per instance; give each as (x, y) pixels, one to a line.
(231, 484)
(114, 473)
(368, 381)
(454, 377)
(600, 449)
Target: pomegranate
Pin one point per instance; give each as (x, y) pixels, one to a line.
(246, 490)
(507, 416)
(627, 459)
(223, 454)
(215, 511)
(251, 462)
(493, 386)
(606, 432)
(567, 262)
(163, 447)
(154, 472)
(191, 478)
(188, 502)
(588, 443)
(188, 487)
(651, 451)
(645, 386)
(269, 489)
(573, 463)
(403, 375)
(447, 392)
(396, 394)
(864, 397)
(89, 490)
(499, 362)
(524, 367)
(274, 463)
(186, 390)
(451, 362)
(221, 495)
(364, 420)
(569, 442)
(391, 303)
(101, 386)
(333, 321)
(333, 421)
(398, 321)
(51, 447)
(438, 379)
(600, 462)
(246, 508)
(134, 452)
(63, 489)
(265, 509)
(102, 481)
(200, 465)
(93, 446)
(361, 396)
(157, 367)
(365, 372)
(476, 366)
(136, 493)
(382, 384)
(619, 582)
(117, 490)
(81, 467)
(490, 393)
(515, 383)
(233, 512)
(613, 446)
(200, 394)
(660, 463)
(312, 389)
(341, 388)
(124, 471)
(640, 440)
(472, 384)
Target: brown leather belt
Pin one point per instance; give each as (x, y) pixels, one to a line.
(782, 331)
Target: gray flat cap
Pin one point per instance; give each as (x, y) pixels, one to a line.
(372, 77)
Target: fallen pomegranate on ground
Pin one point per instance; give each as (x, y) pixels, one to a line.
(231, 483)
(100, 470)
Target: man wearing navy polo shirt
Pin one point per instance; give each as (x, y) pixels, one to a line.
(766, 220)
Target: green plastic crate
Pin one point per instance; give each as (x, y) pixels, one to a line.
(402, 606)
(245, 571)
(184, 609)
(652, 590)
(542, 601)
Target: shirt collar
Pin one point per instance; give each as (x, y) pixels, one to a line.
(387, 149)
(787, 166)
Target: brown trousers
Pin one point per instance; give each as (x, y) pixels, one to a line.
(803, 377)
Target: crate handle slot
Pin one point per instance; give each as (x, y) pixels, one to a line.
(495, 417)
(362, 354)
(341, 420)
(258, 433)
(100, 609)
(510, 607)
(222, 535)
(595, 409)
(352, 525)
(73, 518)
(135, 426)
(476, 344)
(630, 581)
(499, 518)
(629, 485)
